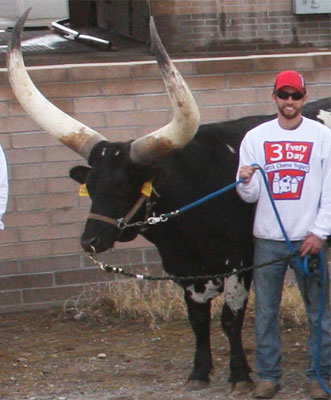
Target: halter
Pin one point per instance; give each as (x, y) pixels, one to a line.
(122, 223)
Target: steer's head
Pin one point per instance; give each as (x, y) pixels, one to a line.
(116, 171)
(114, 183)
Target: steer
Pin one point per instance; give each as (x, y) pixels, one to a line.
(184, 162)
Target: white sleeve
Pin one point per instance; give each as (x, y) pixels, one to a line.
(249, 192)
(3, 186)
(322, 224)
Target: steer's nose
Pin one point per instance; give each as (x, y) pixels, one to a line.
(90, 245)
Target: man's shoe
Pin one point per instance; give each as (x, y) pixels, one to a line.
(317, 392)
(266, 390)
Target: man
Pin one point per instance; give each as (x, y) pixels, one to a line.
(295, 154)
(3, 186)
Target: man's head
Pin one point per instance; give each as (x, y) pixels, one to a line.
(292, 79)
(289, 95)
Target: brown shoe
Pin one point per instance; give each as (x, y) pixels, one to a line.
(266, 390)
(317, 392)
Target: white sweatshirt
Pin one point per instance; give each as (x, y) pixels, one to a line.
(298, 168)
(3, 186)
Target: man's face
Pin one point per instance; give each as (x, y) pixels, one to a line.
(288, 108)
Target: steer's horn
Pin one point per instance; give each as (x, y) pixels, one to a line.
(69, 131)
(186, 118)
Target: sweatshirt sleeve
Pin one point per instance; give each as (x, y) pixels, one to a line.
(3, 186)
(249, 192)
(322, 224)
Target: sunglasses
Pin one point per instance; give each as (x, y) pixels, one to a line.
(281, 94)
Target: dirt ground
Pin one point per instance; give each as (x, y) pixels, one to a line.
(44, 355)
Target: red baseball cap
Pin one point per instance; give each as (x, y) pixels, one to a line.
(290, 78)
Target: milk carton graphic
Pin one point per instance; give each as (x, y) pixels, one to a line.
(287, 164)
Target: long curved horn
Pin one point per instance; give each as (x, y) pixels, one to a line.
(69, 131)
(186, 120)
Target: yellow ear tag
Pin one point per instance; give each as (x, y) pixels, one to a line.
(83, 191)
(147, 188)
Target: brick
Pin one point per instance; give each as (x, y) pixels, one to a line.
(45, 170)
(153, 102)
(4, 111)
(6, 94)
(101, 104)
(61, 185)
(100, 72)
(26, 156)
(49, 74)
(206, 83)
(51, 294)
(10, 267)
(138, 118)
(26, 250)
(17, 124)
(5, 141)
(29, 186)
(246, 110)
(68, 216)
(65, 246)
(79, 276)
(138, 86)
(10, 298)
(48, 201)
(226, 97)
(15, 220)
(282, 63)
(93, 120)
(151, 69)
(50, 264)
(60, 153)
(225, 66)
(213, 114)
(26, 281)
(48, 232)
(69, 90)
(323, 61)
(8, 236)
(28, 140)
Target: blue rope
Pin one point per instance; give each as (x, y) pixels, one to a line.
(204, 199)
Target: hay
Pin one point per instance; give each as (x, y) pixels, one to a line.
(160, 301)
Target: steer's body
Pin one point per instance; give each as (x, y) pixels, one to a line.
(185, 164)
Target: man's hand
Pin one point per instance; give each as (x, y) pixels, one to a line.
(311, 245)
(246, 172)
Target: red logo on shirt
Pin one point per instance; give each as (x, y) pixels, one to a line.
(286, 166)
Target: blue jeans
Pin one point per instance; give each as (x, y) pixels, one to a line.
(268, 283)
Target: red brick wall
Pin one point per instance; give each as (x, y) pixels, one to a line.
(41, 262)
(229, 26)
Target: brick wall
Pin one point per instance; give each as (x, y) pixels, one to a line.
(41, 262)
(230, 26)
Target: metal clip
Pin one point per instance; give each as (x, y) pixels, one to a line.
(121, 223)
(153, 220)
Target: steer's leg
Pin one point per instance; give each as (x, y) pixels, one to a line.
(199, 316)
(236, 296)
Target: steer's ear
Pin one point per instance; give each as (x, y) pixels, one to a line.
(79, 173)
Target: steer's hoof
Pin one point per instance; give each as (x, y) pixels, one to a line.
(195, 385)
(241, 387)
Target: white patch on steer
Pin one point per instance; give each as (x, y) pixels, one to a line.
(325, 116)
(235, 293)
(231, 149)
(211, 291)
